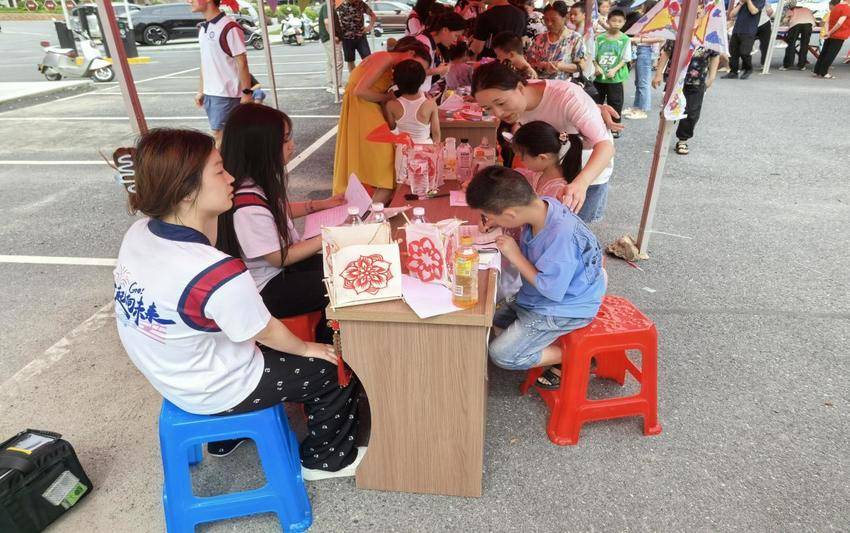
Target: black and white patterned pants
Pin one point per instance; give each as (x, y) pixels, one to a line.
(331, 410)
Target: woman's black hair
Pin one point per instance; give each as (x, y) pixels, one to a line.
(450, 20)
(423, 9)
(507, 41)
(458, 51)
(538, 138)
(252, 149)
(408, 76)
(559, 7)
(412, 44)
(495, 75)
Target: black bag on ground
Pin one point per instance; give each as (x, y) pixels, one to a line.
(40, 479)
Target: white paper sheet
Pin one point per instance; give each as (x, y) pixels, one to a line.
(355, 196)
(426, 299)
(457, 199)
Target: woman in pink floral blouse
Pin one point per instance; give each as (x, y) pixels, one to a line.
(559, 52)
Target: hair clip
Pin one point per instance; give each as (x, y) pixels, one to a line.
(125, 174)
(563, 137)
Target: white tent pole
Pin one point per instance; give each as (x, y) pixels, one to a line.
(127, 12)
(372, 33)
(777, 19)
(334, 61)
(665, 127)
(267, 50)
(121, 67)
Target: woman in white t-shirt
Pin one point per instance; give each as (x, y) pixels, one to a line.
(562, 104)
(256, 145)
(190, 316)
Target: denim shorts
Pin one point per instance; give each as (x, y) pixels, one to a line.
(526, 333)
(218, 108)
(595, 202)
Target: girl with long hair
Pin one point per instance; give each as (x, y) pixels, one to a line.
(256, 145)
(192, 321)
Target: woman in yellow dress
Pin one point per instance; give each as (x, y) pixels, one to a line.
(373, 163)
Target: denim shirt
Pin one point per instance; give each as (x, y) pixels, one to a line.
(570, 282)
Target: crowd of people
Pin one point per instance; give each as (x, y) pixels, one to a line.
(203, 279)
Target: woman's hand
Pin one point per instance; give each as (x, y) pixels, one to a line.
(608, 115)
(442, 70)
(574, 196)
(321, 351)
(328, 203)
(656, 81)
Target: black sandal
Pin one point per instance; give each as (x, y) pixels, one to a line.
(549, 380)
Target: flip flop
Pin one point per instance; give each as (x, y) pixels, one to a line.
(550, 380)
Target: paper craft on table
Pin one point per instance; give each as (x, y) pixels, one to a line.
(457, 199)
(426, 299)
(355, 196)
(480, 240)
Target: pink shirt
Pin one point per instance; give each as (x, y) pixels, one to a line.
(569, 109)
(554, 188)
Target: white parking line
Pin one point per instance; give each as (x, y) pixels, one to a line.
(300, 158)
(258, 74)
(52, 163)
(112, 119)
(288, 63)
(171, 93)
(53, 260)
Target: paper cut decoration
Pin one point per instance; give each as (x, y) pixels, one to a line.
(383, 134)
(425, 261)
(367, 274)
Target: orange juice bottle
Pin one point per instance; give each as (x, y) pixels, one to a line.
(465, 282)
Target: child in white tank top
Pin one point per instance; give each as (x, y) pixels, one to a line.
(412, 112)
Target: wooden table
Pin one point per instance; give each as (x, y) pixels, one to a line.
(426, 381)
(467, 129)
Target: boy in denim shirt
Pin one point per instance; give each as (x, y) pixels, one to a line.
(559, 260)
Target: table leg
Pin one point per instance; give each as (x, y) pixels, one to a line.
(427, 390)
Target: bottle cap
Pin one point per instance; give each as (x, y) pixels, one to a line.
(377, 206)
(419, 211)
(466, 240)
(353, 211)
(463, 140)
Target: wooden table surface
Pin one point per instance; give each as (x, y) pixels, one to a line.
(426, 381)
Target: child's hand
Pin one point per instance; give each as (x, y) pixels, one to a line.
(611, 73)
(442, 70)
(328, 203)
(509, 248)
(598, 70)
(656, 82)
(574, 196)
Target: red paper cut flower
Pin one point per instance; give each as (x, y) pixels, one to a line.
(426, 261)
(368, 273)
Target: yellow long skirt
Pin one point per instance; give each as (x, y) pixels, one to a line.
(373, 163)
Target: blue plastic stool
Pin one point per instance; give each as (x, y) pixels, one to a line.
(181, 437)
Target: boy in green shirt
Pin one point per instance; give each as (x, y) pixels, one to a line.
(613, 54)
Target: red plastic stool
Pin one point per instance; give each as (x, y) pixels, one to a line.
(618, 327)
(304, 326)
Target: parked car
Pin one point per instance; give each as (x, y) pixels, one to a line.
(89, 11)
(391, 14)
(156, 25)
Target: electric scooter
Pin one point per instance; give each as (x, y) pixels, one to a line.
(61, 63)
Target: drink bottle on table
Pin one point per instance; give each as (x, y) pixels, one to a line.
(377, 216)
(353, 217)
(465, 282)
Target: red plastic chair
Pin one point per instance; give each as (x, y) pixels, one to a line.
(618, 327)
(304, 326)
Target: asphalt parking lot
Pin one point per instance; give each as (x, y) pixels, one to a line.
(747, 285)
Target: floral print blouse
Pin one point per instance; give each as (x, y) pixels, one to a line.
(569, 48)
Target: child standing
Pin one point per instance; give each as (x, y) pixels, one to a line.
(509, 50)
(412, 112)
(543, 151)
(613, 53)
(560, 261)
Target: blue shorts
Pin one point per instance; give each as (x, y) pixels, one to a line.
(595, 202)
(218, 108)
(526, 333)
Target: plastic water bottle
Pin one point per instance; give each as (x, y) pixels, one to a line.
(418, 216)
(353, 217)
(464, 161)
(465, 282)
(450, 158)
(377, 216)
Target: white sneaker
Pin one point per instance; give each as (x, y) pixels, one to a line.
(627, 113)
(314, 474)
(637, 114)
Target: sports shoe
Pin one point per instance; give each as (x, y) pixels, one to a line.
(746, 74)
(731, 76)
(783, 68)
(223, 448)
(314, 474)
(627, 113)
(637, 114)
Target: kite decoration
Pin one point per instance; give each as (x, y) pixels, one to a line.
(709, 32)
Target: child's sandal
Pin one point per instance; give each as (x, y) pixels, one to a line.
(682, 148)
(550, 379)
